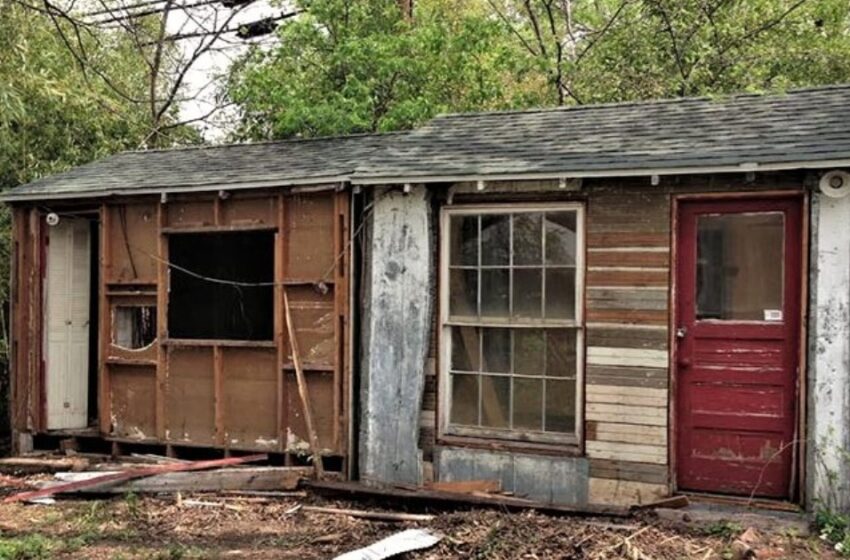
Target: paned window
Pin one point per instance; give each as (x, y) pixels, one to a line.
(512, 280)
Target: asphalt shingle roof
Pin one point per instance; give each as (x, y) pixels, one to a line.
(811, 125)
(261, 164)
(807, 128)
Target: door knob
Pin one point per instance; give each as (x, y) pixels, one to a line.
(681, 332)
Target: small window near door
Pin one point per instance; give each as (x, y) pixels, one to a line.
(739, 266)
(133, 326)
(513, 326)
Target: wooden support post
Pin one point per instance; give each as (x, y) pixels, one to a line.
(104, 330)
(302, 388)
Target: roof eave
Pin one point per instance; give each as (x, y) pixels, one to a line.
(364, 179)
(310, 183)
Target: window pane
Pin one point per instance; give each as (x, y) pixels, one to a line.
(528, 292)
(739, 266)
(463, 292)
(560, 405)
(494, 292)
(561, 353)
(464, 241)
(495, 401)
(465, 355)
(528, 404)
(495, 239)
(560, 293)
(497, 350)
(529, 351)
(528, 238)
(464, 399)
(561, 238)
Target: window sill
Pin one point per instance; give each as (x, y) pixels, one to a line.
(563, 449)
(178, 342)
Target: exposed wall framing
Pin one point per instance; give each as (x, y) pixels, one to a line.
(229, 394)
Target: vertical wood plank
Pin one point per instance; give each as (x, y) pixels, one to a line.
(338, 313)
(341, 284)
(279, 328)
(161, 321)
(104, 413)
(217, 210)
(218, 395)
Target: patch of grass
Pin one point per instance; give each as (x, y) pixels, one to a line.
(834, 528)
(724, 528)
(27, 547)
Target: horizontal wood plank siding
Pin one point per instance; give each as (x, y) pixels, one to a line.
(626, 372)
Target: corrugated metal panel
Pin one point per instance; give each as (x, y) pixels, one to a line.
(67, 346)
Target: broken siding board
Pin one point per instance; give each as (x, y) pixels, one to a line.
(618, 337)
(625, 239)
(627, 452)
(624, 492)
(633, 396)
(624, 470)
(628, 256)
(627, 298)
(631, 277)
(648, 416)
(634, 357)
(627, 376)
(628, 316)
(626, 433)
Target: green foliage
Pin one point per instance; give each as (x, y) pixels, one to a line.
(834, 528)
(358, 66)
(347, 66)
(29, 547)
(724, 528)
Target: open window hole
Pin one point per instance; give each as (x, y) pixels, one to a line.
(134, 326)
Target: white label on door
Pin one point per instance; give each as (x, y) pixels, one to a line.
(772, 314)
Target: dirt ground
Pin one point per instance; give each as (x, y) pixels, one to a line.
(249, 527)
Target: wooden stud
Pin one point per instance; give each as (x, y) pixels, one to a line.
(218, 396)
(105, 331)
(302, 389)
(161, 323)
(279, 321)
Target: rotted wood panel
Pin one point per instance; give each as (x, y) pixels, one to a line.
(191, 211)
(132, 232)
(249, 398)
(190, 396)
(133, 401)
(310, 221)
(320, 387)
(247, 210)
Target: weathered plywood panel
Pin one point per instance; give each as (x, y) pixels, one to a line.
(624, 492)
(313, 315)
(308, 236)
(132, 241)
(244, 211)
(191, 212)
(133, 401)
(249, 398)
(547, 479)
(190, 396)
(396, 327)
(320, 387)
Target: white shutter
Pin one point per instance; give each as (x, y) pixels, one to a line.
(67, 307)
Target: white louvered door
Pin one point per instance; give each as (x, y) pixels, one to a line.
(67, 294)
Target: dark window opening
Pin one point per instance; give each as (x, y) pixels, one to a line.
(134, 326)
(203, 305)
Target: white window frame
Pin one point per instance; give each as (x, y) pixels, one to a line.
(444, 427)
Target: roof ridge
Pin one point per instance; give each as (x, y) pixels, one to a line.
(640, 102)
(316, 139)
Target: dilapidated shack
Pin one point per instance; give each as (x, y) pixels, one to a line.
(604, 304)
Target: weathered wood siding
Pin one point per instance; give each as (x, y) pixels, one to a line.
(396, 335)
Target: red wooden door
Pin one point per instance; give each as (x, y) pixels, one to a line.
(737, 345)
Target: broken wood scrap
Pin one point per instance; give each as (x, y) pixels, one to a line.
(240, 479)
(36, 465)
(131, 474)
(394, 545)
(674, 502)
(376, 515)
(467, 486)
(302, 388)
